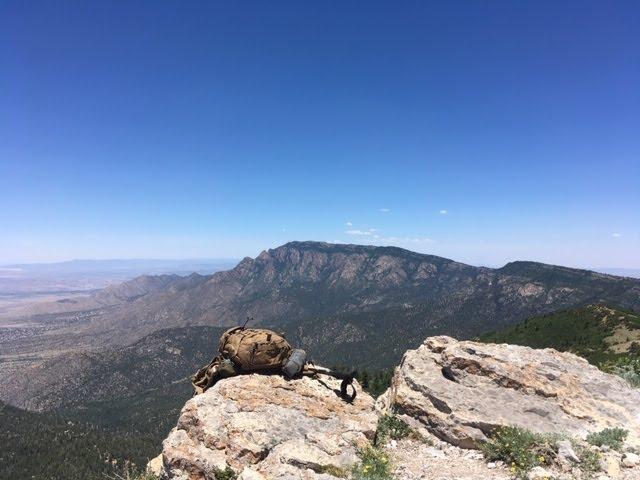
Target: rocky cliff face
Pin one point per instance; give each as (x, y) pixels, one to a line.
(266, 427)
(450, 394)
(463, 391)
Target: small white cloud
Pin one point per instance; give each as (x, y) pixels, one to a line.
(616, 235)
(444, 212)
(419, 240)
(385, 210)
(359, 233)
(349, 224)
(404, 239)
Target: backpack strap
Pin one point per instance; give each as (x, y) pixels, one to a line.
(347, 382)
(346, 379)
(206, 377)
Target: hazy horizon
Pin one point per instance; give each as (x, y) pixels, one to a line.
(230, 261)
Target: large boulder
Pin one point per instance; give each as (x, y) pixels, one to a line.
(461, 391)
(266, 427)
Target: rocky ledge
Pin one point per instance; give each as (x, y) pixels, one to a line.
(446, 400)
(463, 391)
(266, 427)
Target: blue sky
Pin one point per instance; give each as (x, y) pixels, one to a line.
(480, 131)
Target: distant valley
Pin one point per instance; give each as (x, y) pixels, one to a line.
(22, 285)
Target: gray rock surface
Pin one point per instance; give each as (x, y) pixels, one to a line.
(566, 451)
(630, 460)
(461, 391)
(267, 427)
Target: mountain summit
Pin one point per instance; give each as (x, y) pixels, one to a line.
(340, 301)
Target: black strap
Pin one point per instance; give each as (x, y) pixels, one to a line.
(347, 382)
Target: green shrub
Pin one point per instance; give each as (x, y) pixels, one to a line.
(375, 465)
(128, 474)
(226, 474)
(629, 369)
(520, 449)
(589, 460)
(390, 426)
(613, 437)
(144, 476)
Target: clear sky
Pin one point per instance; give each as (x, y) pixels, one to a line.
(481, 131)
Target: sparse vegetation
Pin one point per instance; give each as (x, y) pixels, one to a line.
(128, 474)
(589, 460)
(375, 465)
(612, 437)
(394, 428)
(375, 382)
(226, 474)
(627, 368)
(521, 450)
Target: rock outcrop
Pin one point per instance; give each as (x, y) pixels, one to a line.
(461, 391)
(266, 427)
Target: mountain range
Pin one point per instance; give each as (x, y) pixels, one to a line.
(345, 284)
(352, 305)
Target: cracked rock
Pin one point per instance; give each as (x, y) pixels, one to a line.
(461, 391)
(263, 426)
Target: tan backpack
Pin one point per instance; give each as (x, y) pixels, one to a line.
(246, 350)
(243, 350)
(254, 349)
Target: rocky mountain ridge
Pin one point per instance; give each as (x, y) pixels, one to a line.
(346, 286)
(337, 301)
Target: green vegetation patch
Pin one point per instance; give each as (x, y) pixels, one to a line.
(47, 447)
(226, 474)
(586, 331)
(128, 474)
(522, 450)
(375, 465)
(613, 437)
(390, 426)
(394, 428)
(375, 382)
(625, 367)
